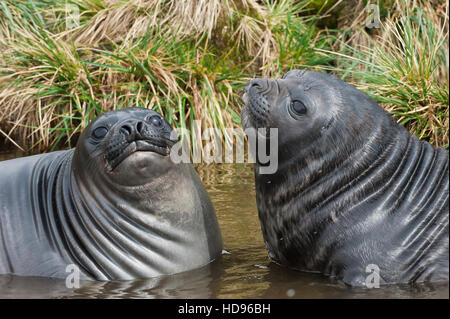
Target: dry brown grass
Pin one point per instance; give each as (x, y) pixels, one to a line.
(189, 59)
(403, 64)
(167, 55)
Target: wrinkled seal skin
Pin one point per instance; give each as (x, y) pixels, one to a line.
(353, 187)
(116, 206)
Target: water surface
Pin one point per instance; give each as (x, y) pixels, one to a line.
(244, 271)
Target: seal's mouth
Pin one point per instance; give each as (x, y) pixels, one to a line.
(134, 135)
(256, 111)
(158, 145)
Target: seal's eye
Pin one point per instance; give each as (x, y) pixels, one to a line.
(155, 120)
(298, 108)
(100, 132)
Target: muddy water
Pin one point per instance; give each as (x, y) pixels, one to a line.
(244, 271)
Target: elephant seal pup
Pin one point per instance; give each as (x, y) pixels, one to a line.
(116, 206)
(355, 195)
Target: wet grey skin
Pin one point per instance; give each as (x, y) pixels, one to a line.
(116, 206)
(353, 187)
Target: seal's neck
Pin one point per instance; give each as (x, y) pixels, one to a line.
(337, 157)
(297, 202)
(319, 205)
(111, 236)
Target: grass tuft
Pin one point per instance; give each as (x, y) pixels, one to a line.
(189, 60)
(404, 66)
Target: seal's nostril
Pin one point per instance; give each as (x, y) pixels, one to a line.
(139, 127)
(258, 85)
(255, 85)
(126, 129)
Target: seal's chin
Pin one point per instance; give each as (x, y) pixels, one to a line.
(157, 146)
(140, 168)
(255, 113)
(245, 118)
(253, 125)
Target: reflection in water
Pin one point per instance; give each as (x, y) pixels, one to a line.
(32, 287)
(286, 283)
(199, 283)
(244, 272)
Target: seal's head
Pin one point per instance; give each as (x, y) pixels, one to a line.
(312, 111)
(151, 215)
(126, 146)
(345, 194)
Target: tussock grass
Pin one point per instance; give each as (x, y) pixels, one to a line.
(404, 65)
(189, 60)
(186, 59)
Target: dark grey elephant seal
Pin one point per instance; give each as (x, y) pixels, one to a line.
(116, 206)
(353, 188)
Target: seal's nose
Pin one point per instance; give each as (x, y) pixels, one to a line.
(132, 129)
(127, 129)
(257, 85)
(139, 127)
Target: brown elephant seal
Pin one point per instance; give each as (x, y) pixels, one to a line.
(116, 206)
(354, 193)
